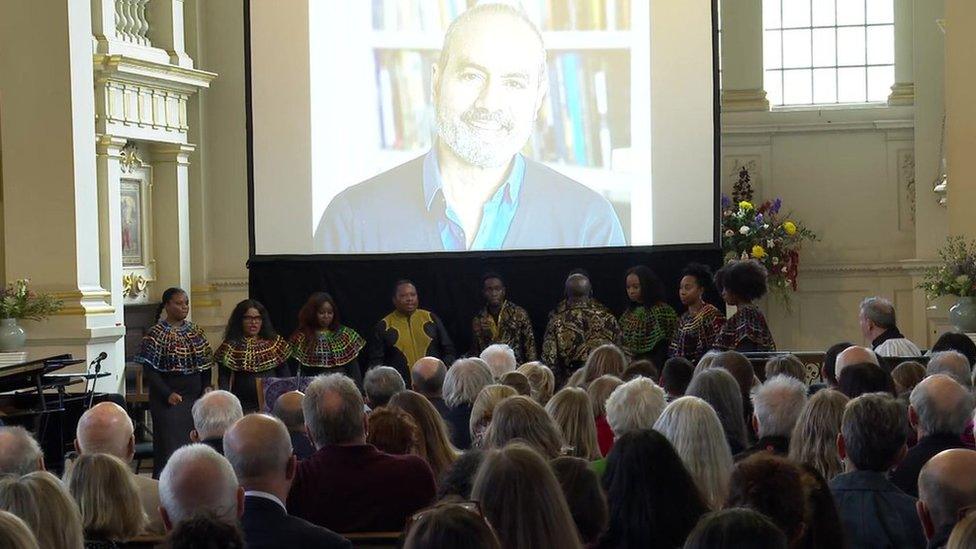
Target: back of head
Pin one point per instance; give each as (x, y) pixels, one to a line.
(464, 380)
(542, 381)
(830, 361)
(907, 375)
(676, 375)
(106, 428)
(644, 368)
(214, 413)
(718, 388)
(875, 427)
(459, 477)
(951, 363)
(880, 311)
(258, 448)
(517, 381)
(427, 376)
(522, 418)
(947, 485)
(584, 495)
(483, 409)
(206, 531)
(333, 410)
(19, 452)
(198, 480)
(605, 360)
(777, 404)
(773, 486)
(853, 355)
(954, 341)
(578, 286)
(788, 365)
(865, 377)
(572, 413)
(380, 384)
(392, 431)
(500, 359)
(634, 405)
(522, 500)
(42, 502)
(746, 279)
(736, 528)
(450, 526)
(14, 533)
(941, 405)
(107, 497)
(739, 366)
(437, 448)
(814, 438)
(288, 408)
(599, 391)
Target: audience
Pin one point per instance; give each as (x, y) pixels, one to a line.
(213, 414)
(829, 369)
(643, 368)
(788, 365)
(106, 495)
(634, 405)
(19, 452)
(606, 359)
(450, 526)
(906, 376)
(456, 482)
(14, 533)
(739, 528)
(718, 388)
(952, 364)
(693, 428)
(584, 495)
(522, 500)
(777, 404)
(877, 321)
(939, 409)
(462, 385)
(500, 359)
(106, 428)
(954, 341)
(258, 448)
(205, 531)
(542, 382)
(676, 376)
(517, 381)
(874, 511)
(946, 487)
(393, 431)
(427, 378)
(652, 499)
(198, 480)
(521, 418)
(598, 392)
(964, 534)
(434, 444)
(823, 525)
(288, 408)
(741, 369)
(380, 384)
(368, 491)
(865, 377)
(853, 355)
(773, 486)
(484, 408)
(571, 411)
(814, 438)
(41, 501)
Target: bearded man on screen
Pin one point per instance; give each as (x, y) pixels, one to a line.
(474, 190)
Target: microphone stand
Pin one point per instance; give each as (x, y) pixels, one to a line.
(98, 368)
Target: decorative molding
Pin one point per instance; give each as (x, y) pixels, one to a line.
(822, 126)
(229, 284)
(133, 285)
(131, 158)
(744, 100)
(909, 267)
(163, 76)
(131, 24)
(906, 179)
(902, 94)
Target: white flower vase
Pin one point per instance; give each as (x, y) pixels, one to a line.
(962, 315)
(12, 336)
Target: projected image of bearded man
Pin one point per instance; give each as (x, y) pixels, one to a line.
(474, 190)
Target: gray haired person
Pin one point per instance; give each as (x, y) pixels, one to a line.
(463, 382)
(946, 489)
(500, 359)
(953, 364)
(718, 388)
(877, 321)
(214, 413)
(19, 452)
(196, 481)
(776, 405)
(380, 384)
(634, 406)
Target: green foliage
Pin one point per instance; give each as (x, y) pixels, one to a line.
(957, 273)
(18, 301)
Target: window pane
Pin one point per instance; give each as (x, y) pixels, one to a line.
(797, 87)
(796, 13)
(771, 18)
(823, 13)
(772, 54)
(796, 48)
(880, 80)
(824, 47)
(850, 46)
(851, 85)
(774, 87)
(881, 45)
(824, 86)
(850, 12)
(881, 11)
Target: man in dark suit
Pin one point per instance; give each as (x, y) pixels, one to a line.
(288, 408)
(427, 378)
(213, 414)
(259, 449)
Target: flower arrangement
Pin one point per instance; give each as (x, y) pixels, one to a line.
(764, 234)
(957, 273)
(17, 300)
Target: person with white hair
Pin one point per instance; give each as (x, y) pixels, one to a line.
(953, 364)
(776, 406)
(213, 414)
(854, 355)
(634, 406)
(380, 384)
(19, 452)
(195, 481)
(939, 410)
(106, 428)
(877, 321)
(500, 359)
(464, 381)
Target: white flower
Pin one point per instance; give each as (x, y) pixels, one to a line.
(729, 233)
(745, 256)
(744, 229)
(765, 225)
(770, 244)
(775, 261)
(784, 269)
(962, 280)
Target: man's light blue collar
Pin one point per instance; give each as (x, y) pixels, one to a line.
(433, 183)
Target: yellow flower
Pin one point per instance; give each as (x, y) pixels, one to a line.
(745, 205)
(789, 227)
(758, 252)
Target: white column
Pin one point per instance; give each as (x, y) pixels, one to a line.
(171, 215)
(742, 56)
(903, 90)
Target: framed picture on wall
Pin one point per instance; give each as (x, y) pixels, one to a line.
(132, 223)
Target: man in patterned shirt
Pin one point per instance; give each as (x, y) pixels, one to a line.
(502, 321)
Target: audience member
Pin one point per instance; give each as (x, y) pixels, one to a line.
(106, 428)
(462, 384)
(642, 368)
(952, 364)
(434, 444)
(777, 404)
(521, 418)
(598, 392)
(741, 369)
(500, 359)
(483, 410)
(571, 411)
(517, 381)
(829, 369)
(393, 431)
(954, 341)
(584, 495)
(606, 359)
(369, 491)
(877, 320)
(853, 355)
(213, 414)
(19, 452)
(814, 438)
(288, 408)
(198, 480)
(865, 377)
(693, 428)
(427, 378)
(823, 525)
(653, 500)
(718, 388)
(676, 376)
(450, 526)
(542, 382)
(456, 482)
(906, 376)
(41, 501)
(380, 384)
(964, 533)
(258, 448)
(946, 487)
(205, 531)
(522, 500)
(788, 365)
(705, 362)
(14, 533)
(738, 528)
(939, 410)
(106, 495)
(874, 511)
(634, 405)
(773, 486)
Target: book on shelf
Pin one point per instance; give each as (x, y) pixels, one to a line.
(549, 15)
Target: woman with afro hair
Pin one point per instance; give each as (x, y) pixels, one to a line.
(741, 283)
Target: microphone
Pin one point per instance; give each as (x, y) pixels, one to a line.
(101, 356)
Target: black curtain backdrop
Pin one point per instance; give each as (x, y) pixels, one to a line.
(450, 286)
